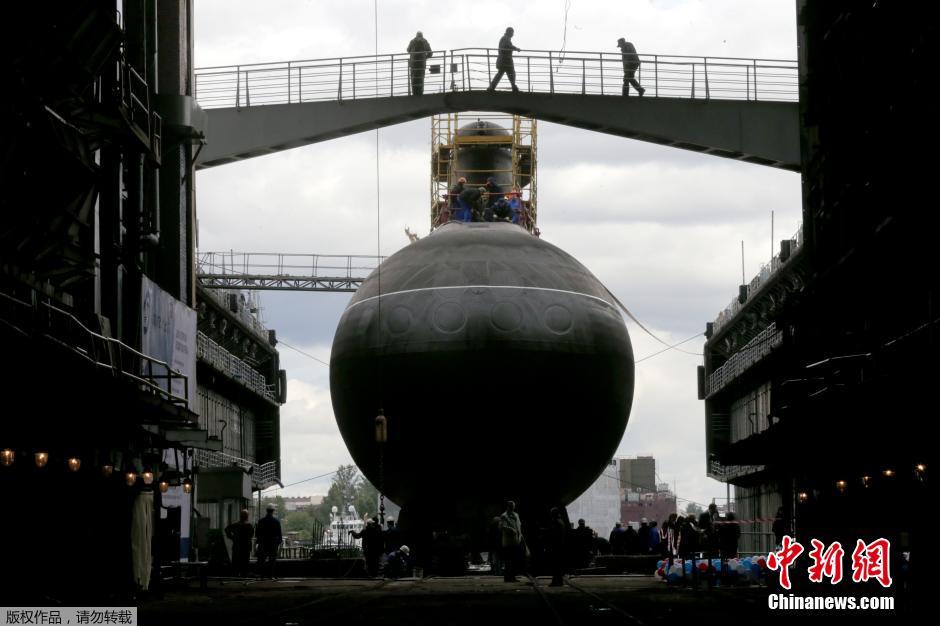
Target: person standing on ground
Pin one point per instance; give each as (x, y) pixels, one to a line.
(268, 538)
(241, 533)
(419, 52)
(510, 527)
(504, 64)
(557, 534)
(631, 63)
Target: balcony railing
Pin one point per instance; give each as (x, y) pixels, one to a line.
(263, 475)
(236, 369)
(61, 327)
(755, 350)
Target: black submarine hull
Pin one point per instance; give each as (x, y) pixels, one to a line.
(503, 367)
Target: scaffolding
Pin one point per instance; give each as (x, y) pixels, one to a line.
(446, 142)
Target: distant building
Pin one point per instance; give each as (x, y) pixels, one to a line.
(302, 503)
(638, 474)
(654, 506)
(600, 504)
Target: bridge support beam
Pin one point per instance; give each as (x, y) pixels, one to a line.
(766, 133)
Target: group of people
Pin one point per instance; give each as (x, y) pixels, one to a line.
(564, 546)
(383, 549)
(268, 539)
(419, 51)
(680, 536)
(469, 203)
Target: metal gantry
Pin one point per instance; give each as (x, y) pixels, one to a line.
(284, 272)
(521, 140)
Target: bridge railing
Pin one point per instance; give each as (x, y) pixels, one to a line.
(472, 69)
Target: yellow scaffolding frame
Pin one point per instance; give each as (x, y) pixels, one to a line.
(445, 143)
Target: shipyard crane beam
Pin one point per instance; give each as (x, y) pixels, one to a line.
(284, 272)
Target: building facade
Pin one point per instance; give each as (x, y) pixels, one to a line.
(816, 381)
(101, 315)
(599, 506)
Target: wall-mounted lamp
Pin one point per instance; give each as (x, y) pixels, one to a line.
(7, 457)
(164, 486)
(130, 478)
(74, 463)
(187, 485)
(841, 485)
(888, 473)
(147, 476)
(107, 470)
(41, 459)
(866, 481)
(802, 496)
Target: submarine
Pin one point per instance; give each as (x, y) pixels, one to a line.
(501, 366)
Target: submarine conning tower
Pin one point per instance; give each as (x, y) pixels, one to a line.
(478, 146)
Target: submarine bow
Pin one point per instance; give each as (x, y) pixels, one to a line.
(502, 364)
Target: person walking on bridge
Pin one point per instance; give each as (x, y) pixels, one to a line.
(419, 52)
(631, 63)
(504, 63)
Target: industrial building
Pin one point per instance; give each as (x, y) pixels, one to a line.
(105, 329)
(817, 378)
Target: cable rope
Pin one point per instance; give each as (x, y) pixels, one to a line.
(309, 356)
(647, 330)
(564, 38)
(378, 306)
(672, 347)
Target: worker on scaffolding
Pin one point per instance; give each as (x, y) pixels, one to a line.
(419, 52)
(517, 208)
(460, 211)
(473, 199)
(493, 191)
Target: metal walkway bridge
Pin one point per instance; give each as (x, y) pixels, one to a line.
(284, 272)
(745, 109)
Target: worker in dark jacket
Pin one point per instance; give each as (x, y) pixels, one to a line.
(493, 191)
(472, 197)
(373, 544)
(241, 533)
(268, 538)
(419, 52)
(504, 63)
(556, 544)
(631, 63)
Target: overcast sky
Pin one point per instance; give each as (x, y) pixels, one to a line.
(661, 227)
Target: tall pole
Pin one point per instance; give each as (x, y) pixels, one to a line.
(743, 279)
(771, 238)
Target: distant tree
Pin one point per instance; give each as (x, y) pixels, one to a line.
(349, 487)
(693, 509)
(300, 521)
